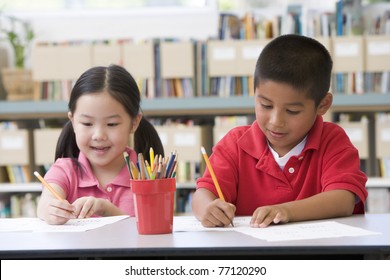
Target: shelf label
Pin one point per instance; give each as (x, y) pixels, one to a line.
(225, 53)
(251, 52)
(347, 49)
(12, 143)
(354, 134)
(164, 138)
(378, 48)
(385, 134)
(184, 139)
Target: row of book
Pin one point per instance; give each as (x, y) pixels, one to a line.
(210, 68)
(19, 205)
(359, 66)
(183, 136)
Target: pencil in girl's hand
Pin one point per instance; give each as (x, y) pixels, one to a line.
(46, 184)
(210, 168)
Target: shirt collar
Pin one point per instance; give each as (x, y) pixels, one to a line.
(254, 142)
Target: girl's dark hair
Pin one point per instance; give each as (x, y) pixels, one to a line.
(298, 61)
(119, 83)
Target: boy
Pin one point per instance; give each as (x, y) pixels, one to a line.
(288, 165)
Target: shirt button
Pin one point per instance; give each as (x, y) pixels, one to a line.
(109, 189)
(291, 170)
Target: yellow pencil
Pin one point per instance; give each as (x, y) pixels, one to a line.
(206, 159)
(151, 158)
(219, 191)
(46, 184)
(134, 171)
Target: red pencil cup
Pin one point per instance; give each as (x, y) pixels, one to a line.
(154, 205)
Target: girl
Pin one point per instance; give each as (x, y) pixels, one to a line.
(89, 172)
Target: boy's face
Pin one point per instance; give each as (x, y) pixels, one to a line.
(284, 114)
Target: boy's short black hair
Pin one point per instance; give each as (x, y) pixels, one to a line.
(296, 60)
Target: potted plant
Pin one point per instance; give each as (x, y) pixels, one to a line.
(17, 79)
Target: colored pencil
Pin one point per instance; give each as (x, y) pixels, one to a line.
(46, 184)
(210, 168)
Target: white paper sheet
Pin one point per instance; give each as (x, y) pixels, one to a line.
(73, 225)
(285, 232)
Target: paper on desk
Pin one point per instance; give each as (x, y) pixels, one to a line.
(190, 223)
(300, 231)
(73, 225)
(286, 232)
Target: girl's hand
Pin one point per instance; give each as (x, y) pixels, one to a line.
(88, 206)
(218, 214)
(264, 216)
(58, 212)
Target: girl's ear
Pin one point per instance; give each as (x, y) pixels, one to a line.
(325, 104)
(135, 122)
(70, 116)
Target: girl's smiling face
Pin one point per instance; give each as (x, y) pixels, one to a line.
(285, 115)
(102, 128)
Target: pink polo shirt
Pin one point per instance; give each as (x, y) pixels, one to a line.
(250, 177)
(64, 173)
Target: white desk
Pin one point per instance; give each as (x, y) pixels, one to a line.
(121, 241)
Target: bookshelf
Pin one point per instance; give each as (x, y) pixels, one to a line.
(202, 107)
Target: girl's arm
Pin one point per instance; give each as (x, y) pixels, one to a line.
(89, 206)
(51, 209)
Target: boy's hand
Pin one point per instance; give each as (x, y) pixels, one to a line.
(264, 216)
(218, 214)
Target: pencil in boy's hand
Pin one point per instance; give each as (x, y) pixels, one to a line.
(219, 191)
(206, 159)
(46, 184)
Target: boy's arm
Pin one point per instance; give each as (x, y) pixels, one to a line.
(210, 210)
(329, 204)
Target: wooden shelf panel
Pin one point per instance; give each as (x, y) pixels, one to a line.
(198, 106)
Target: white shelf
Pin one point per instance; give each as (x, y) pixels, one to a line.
(196, 106)
(373, 182)
(378, 182)
(37, 187)
(21, 187)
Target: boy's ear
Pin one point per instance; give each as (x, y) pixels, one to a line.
(325, 104)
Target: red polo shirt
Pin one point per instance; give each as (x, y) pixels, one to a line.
(118, 192)
(250, 177)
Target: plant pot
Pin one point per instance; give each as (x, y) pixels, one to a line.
(18, 84)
